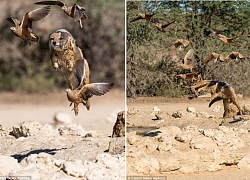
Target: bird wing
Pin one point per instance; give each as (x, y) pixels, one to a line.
(78, 12)
(13, 21)
(137, 18)
(82, 73)
(222, 36)
(167, 24)
(96, 89)
(35, 15)
(231, 55)
(59, 3)
(208, 58)
(188, 57)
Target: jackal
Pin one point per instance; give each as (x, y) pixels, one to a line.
(219, 91)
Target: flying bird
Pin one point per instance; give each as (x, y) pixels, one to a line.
(187, 61)
(190, 76)
(223, 38)
(161, 27)
(76, 12)
(215, 57)
(83, 93)
(181, 44)
(147, 17)
(23, 29)
(235, 56)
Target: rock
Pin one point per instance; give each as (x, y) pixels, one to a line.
(119, 127)
(177, 114)
(62, 118)
(132, 138)
(147, 164)
(8, 164)
(184, 137)
(28, 171)
(75, 169)
(72, 130)
(169, 164)
(244, 163)
(117, 145)
(163, 146)
(202, 142)
(155, 109)
(190, 109)
(217, 109)
(25, 129)
(133, 111)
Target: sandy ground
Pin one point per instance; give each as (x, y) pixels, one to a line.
(171, 105)
(18, 107)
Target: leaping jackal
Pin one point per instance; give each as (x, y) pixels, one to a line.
(219, 91)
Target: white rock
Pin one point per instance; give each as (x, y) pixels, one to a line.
(61, 118)
(72, 129)
(244, 162)
(190, 109)
(75, 169)
(27, 128)
(156, 109)
(8, 164)
(30, 170)
(217, 109)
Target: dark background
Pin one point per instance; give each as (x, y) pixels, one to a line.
(102, 40)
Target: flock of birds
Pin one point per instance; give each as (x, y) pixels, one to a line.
(181, 45)
(23, 28)
(65, 50)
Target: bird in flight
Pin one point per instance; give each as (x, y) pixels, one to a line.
(190, 76)
(215, 57)
(161, 27)
(23, 29)
(76, 12)
(235, 56)
(187, 61)
(84, 92)
(181, 44)
(147, 17)
(223, 38)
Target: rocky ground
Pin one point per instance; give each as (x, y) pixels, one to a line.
(181, 139)
(60, 146)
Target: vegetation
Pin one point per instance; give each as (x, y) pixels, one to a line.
(28, 68)
(152, 60)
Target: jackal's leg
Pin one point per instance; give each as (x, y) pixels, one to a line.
(226, 103)
(237, 104)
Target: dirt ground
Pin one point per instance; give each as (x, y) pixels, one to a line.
(144, 122)
(17, 107)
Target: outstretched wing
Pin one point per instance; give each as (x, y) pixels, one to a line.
(78, 13)
(59, 3)
(167, 24)
(35, 15)
(182, 42)
(82, 73)
(96, 89)
(14, 21)
(188, 57)
(137, 18)
(208, 58)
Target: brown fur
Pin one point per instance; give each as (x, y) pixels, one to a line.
(119, 127)
(219, 91)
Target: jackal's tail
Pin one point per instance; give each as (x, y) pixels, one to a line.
(214, 100)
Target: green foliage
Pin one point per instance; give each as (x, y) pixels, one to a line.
(152, 59)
